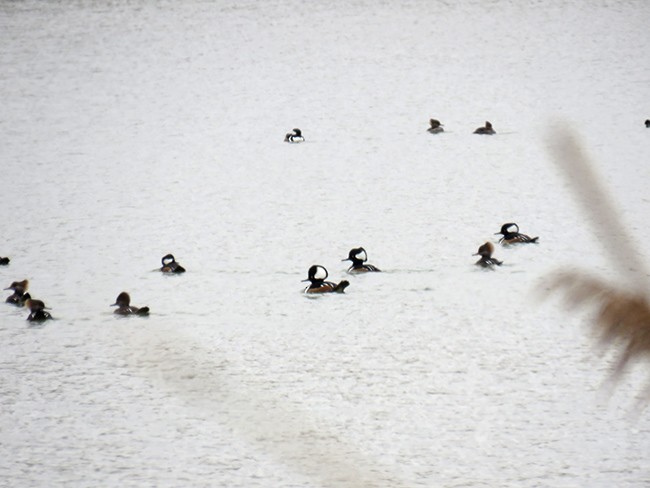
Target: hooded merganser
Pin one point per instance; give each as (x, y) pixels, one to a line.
(487, 129)
(295, 136)
(4, 261)
(487, 261)
(123, 302)
(37, 311)
(511, 235)
(19, 295)
(358, 257)
(436, 126)
(647, 123)
(317, 275)
(169, 265)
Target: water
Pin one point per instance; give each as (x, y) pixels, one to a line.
(130, 130)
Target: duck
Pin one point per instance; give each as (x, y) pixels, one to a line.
(486, 129)
(436, 126)
(4, 261)
(647, 123)
(317, 275)
(123, 302)
(358, 256)
(20, 295)
(294, 137)
(511, 235)
(37, 311)
(169, 265)
(487, 261)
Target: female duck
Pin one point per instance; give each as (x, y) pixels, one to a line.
(317, 275)
(487, 261)
(511, 235)
(20, 295)
(486, 129)
(4, 261)
(169, 265)
(294, 137)
(436, 126)
(359, 257)
(123, 302)
(37, 311)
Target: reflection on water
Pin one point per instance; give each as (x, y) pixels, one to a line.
(131, 131)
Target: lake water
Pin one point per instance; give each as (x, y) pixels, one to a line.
(134, 129)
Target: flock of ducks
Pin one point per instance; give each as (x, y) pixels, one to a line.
(316, 275)
(38, 311)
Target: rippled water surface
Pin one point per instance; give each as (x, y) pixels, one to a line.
(134, 129)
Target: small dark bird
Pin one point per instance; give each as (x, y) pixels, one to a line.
(123, 304)
(317, 275)
(359, 257)
(511, 235)
(486, 129)
(169, 265)
(294, 137)
(487, 261)
(37, 311)
(436, 126)
(20, 295)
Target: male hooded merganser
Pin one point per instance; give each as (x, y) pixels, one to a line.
(37, 311)
(487, 129)
(317, 275)
(358, 257)
(295, 136)
(169, 265)
(123, 302)
(19, 295)
(511, 235)
(487, 261)
(436, 126)
(4, 261)
(647, 123)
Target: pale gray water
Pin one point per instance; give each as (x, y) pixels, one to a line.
(133, 129)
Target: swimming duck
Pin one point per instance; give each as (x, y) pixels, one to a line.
(358, 257)
(436, 126)
(487, 129)
(169, 265)
(123, 302)
(511, 235)
(295, 136)
(4, 261)
(317, 275)
(647, 123)
(37, 311)
(19, 295)
(487, 261)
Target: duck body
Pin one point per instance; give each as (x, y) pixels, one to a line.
(37, 311)
(436, 127)
(317, 275)
(358, 256)
(294, 137)
(487, 261)
(4, 261)
(20, 295)
(511, 235)
(123, 304)
(486, 129)
(169, 265)
(647, 123)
